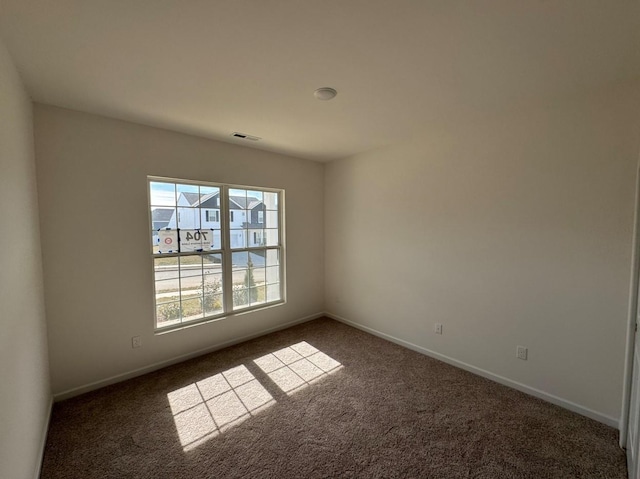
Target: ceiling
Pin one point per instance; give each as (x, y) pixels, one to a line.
(401, 67)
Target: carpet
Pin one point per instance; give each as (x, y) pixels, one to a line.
(322, 400)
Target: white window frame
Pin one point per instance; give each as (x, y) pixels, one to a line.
(225, 250)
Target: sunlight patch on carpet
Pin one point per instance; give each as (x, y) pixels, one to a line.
(297, 366)
(207, 408)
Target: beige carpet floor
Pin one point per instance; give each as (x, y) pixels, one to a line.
(322, 400)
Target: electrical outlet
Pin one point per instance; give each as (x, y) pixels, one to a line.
(437, 328)
(521, 353)
(136, 342)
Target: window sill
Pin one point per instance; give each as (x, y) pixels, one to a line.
(213, 319)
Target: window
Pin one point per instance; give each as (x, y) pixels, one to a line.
(260, 217)
(212, 216)
(206, 271)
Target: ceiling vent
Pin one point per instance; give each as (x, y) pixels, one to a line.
(244, 136)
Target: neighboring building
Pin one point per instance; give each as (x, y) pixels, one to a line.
(160, 217)
(246, 218)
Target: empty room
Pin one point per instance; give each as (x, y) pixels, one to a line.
(317, 239)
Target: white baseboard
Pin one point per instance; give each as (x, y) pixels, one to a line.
(43, 439)
(558, 401)
(178, 359)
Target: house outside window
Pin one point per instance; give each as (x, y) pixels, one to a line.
(205, 264)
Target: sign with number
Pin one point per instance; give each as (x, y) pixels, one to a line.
(168, 241)
(196, 240)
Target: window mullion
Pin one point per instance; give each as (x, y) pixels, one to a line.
(281, 259)
(227, 266)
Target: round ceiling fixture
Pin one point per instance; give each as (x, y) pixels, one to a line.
(325, 93)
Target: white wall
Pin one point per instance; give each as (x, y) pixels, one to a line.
(512, 232)
(25, 395)
(95, 238)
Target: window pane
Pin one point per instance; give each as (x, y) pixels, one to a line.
(244, 218)
(192, 309)
(256, 295)
(272, 219)
(167, 240)
(271, 200)
(238, 239)
(165, 268)
(258, 275)
(273, 292)
(272, 257)
(217, 239)
(167, 290)
(163, 218)
(250, 278)
(188, 195)
(239, 276)
(240, 260)
(254, 196)
(237, 208)
(272, 237)
(168, 314)
(240, 264)
(212, 283)
(238, 218)
(240, 297)
(190, 275)
(190, 265)
(256, 238)
(212, 258)
(257, 257)
(209, 195)
(162, 194)
(208, 239)
(273, 274)
(213, 304)
(188, 218)
(212, 263)
(195, 240)
(239, 196)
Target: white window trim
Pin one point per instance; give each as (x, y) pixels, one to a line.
(225, 250)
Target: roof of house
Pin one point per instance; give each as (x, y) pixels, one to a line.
(192, 198)
(161, 214)
(244, 202)
(209, 201)
(160, 217)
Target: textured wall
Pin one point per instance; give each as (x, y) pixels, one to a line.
(512, 232)
(98, 277)
(24, 371)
